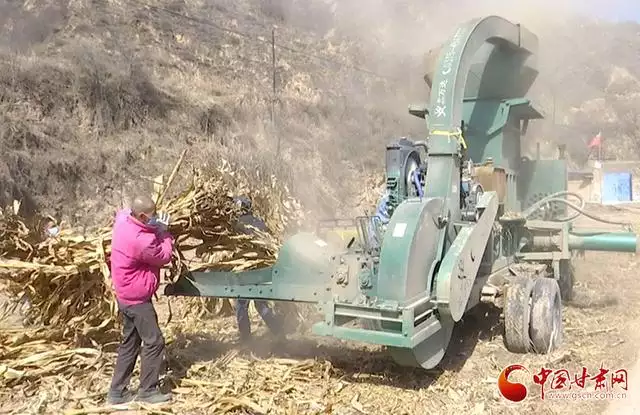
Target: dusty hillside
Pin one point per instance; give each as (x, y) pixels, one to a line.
(588, 80)
(100, 96)
(106, 95)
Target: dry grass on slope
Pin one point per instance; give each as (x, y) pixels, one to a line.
(95, 108)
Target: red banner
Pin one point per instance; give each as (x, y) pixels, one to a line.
(595, 141)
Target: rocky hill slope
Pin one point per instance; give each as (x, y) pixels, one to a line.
(99, 96)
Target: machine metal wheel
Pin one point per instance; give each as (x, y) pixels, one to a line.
(517, 315)
(430, 352)
(546, 329)
(566, 280)
(413, 164)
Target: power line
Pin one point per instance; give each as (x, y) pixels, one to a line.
(190, 56)
(260, 39)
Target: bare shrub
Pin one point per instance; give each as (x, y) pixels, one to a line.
(119, 96)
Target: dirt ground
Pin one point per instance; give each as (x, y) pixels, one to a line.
(316, 375)
(601, 324)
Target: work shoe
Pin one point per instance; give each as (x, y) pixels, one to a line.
(154, 397)
(119, 398)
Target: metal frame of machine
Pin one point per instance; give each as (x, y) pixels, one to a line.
(483, 223)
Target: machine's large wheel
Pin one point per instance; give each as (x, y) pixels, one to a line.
(427, 354)
(546, 330)
(566, 280)
(413, 164)
(517, 315)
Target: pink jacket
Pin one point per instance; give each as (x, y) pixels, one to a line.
(138, 252)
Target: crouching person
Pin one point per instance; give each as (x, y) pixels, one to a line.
(245, 222)
(381, 218)
(266, 313)
(141, 245)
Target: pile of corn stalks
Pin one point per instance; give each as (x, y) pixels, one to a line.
(65, 280)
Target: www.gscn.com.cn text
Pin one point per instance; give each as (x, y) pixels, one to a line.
(584, 396)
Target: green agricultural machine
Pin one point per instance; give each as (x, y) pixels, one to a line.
(472, 221)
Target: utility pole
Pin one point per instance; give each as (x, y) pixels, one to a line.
(273, 92)
(553, 117)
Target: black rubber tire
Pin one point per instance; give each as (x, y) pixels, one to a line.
(566, 280)
(517, 315)
(546, 329)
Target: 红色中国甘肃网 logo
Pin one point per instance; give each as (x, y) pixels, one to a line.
(564, 383)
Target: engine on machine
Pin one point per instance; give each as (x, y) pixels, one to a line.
(470, 192)
(406, 171)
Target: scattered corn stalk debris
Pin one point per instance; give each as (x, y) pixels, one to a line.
(65, 280)
(40, 363)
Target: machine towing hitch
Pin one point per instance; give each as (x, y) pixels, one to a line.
(471, 221)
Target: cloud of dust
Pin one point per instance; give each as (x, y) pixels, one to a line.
(394, 36)
(24, 25)
(405, 30)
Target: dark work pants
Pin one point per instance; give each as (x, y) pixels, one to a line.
(242, 315)
(141, 335)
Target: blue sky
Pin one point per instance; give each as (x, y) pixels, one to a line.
(620, 10)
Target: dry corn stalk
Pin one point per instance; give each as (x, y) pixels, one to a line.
(66, 279)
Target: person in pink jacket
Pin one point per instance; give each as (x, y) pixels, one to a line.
(140, 247)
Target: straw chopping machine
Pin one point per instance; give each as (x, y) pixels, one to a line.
(471, 221)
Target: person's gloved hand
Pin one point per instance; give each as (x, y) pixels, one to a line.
(162, 221)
